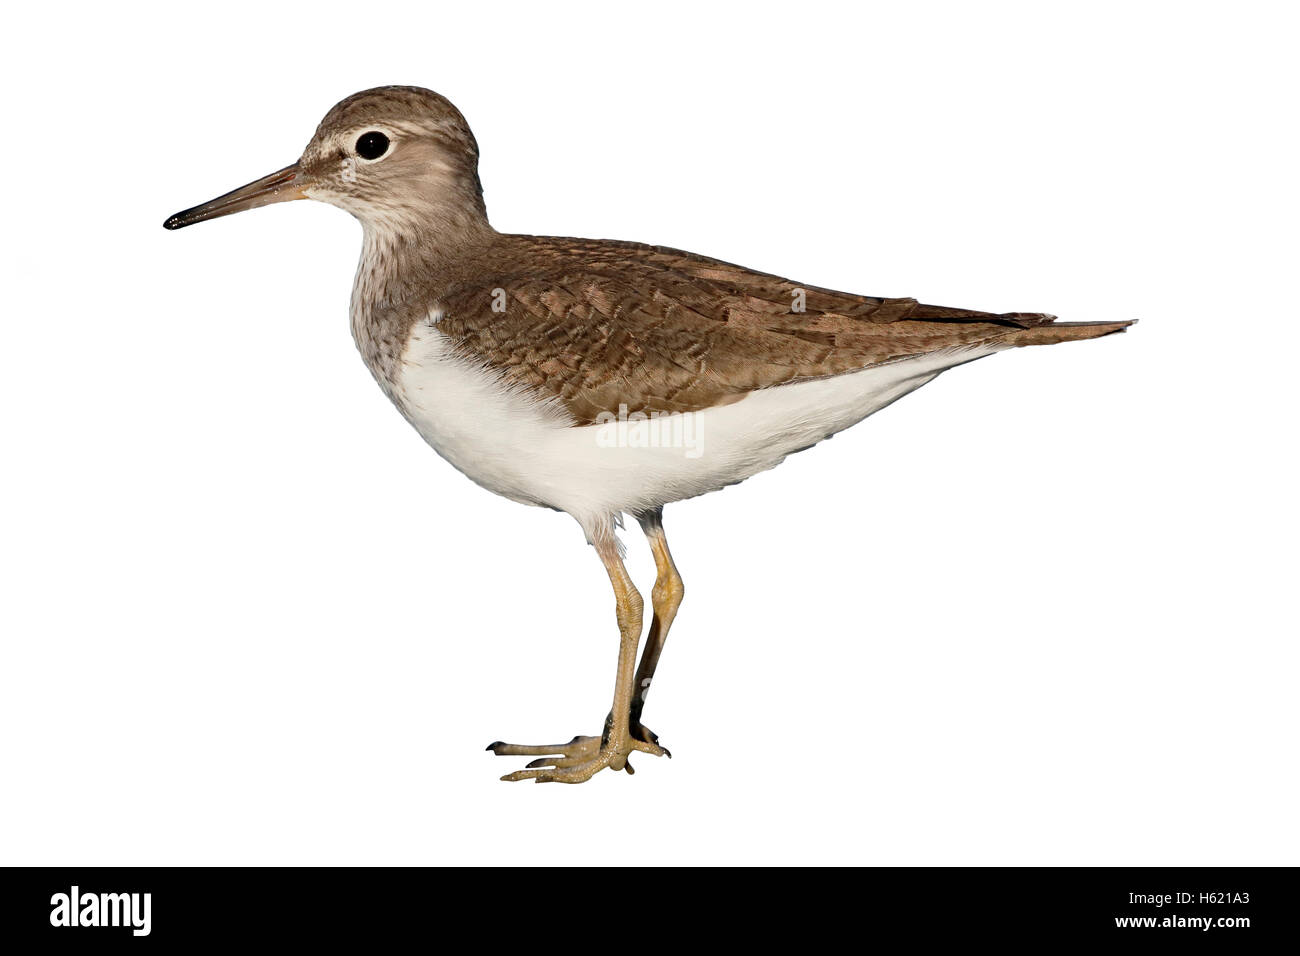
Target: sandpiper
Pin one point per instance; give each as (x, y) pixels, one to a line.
(566, 372)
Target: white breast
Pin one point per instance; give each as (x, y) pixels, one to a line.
(525, 449)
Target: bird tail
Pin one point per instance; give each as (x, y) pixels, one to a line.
(1050, 332)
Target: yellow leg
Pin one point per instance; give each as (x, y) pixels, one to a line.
(581, 758)
(666, 598)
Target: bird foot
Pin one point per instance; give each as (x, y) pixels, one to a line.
(580, 759)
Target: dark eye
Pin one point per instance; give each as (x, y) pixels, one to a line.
(372, 145)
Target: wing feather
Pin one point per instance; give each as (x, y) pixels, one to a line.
(605, 326)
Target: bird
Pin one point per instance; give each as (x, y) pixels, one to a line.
(598, 378)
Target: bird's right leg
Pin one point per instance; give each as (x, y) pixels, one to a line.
(666, 598)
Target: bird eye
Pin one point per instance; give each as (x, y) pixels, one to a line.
(372, 145)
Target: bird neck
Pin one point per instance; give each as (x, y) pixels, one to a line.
(404, 269)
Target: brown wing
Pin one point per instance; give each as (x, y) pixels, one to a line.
(608, 325)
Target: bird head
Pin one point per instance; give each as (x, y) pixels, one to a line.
(396, 157)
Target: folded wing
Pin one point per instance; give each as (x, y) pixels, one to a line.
(619, 326)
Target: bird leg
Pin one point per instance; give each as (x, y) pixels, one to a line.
(666, 598)
(583, 757)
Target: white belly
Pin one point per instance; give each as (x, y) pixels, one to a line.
(509, 443)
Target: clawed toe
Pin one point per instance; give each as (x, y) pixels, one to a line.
(574, 762)
(575, 747)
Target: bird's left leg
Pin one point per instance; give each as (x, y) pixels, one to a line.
(583, 757)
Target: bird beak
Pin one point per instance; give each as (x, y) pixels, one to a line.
(281, 186)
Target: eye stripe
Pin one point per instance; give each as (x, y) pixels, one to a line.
(372, 145)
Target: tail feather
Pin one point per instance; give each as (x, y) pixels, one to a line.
(1049, 333)
(1029, 328)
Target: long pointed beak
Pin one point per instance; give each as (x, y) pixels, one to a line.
(281, 186)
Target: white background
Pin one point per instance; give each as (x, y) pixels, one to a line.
(1041, 611)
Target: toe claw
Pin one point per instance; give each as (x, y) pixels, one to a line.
(495, 744)
(540, 762)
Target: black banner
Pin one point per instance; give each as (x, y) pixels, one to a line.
(97, 908)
